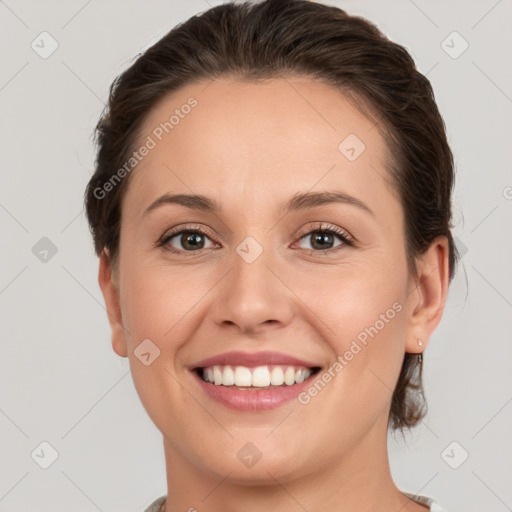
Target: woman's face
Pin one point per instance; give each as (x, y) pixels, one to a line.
(252, 283)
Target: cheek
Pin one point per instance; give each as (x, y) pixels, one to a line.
(360, 317)
(348, 298)
(157, 302)
(158, 305)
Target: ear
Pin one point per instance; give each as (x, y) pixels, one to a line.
(110, 291)
(427, 296)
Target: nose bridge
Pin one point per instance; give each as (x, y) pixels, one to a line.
(251, 295)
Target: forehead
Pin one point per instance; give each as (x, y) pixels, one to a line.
(259, 141)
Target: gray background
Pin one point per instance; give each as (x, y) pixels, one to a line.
(60, 381)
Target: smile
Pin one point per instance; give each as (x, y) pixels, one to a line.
(253, 382)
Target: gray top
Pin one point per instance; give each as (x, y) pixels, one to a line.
(157, 505)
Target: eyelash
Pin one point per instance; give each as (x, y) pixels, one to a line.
(320, 228)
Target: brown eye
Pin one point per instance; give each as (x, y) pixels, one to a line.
(187, 240)
(324, 239)
(321, 240)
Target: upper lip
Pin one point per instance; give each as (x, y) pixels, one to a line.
(252, 359)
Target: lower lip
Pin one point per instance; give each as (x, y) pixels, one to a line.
(253, 399)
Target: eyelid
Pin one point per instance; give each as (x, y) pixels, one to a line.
(325, 227)
(186, 227)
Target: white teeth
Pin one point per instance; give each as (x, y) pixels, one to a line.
(228, 377)
(289, 376)
(277, 376)
(217, 376)
(302, 374)
(258, 377)
(242, 376)
(261, 377)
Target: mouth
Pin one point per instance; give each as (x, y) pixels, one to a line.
(253, 382)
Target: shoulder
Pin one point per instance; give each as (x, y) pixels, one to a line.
(424, 500)
(156, 505)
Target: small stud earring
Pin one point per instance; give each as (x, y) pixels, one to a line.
(420, 343)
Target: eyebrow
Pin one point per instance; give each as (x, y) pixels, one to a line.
(192, 201)
(300, 201)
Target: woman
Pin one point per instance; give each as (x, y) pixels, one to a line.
(271, 207)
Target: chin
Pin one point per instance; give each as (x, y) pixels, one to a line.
(259, 463)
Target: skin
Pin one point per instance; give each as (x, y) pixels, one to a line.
(251, 147)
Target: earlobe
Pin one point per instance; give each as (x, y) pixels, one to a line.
(428, 297)
(110, 292)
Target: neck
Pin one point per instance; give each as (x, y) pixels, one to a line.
(358, 479)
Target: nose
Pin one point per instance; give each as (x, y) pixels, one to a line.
(253, 296)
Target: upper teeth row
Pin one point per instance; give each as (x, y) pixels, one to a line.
(260, 376)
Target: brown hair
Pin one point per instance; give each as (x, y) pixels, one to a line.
(254, 41)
